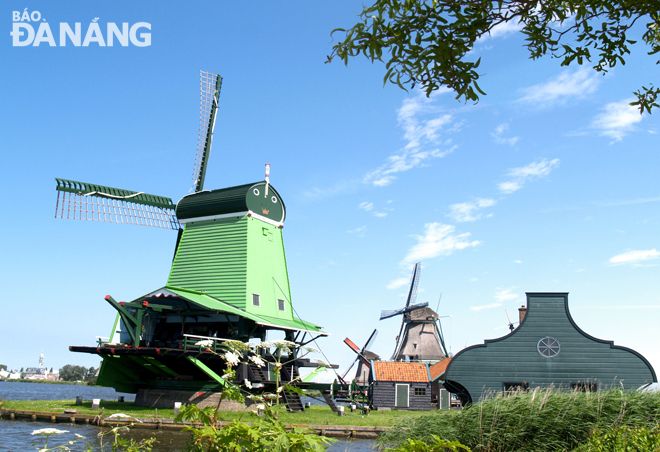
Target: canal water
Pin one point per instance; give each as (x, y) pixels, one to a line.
(15, 436)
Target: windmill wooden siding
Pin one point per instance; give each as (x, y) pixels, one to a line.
(387, 375)
(482, 370)
(212, 258)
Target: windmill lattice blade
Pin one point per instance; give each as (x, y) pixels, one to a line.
(370, 341)
(83, 201)
(388, 314)
(343, 377)
(414, 283)
(210, 85)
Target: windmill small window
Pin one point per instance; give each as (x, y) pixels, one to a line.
(255, 300)
(420, 392)
(280, 304)
(548, 347)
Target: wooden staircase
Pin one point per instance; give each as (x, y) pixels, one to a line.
(257, 374)
(293, 401)
(327, 395)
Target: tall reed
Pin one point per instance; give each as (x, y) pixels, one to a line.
(542, 420)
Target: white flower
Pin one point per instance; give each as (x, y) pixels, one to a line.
(205, 343)
(48, 432)
(231, 358)
(257, 360)
(322, 363)
(280, 344)
(237, 346)
(247, 383)
(309, 349)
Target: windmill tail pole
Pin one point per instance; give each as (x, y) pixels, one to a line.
(267, 178)
(438, 325)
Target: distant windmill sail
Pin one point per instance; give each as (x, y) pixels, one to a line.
(388, 314)
(364, 355)
(419, 337)
(84, 201)
(210, 85)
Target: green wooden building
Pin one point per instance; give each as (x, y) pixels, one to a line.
(547, 349)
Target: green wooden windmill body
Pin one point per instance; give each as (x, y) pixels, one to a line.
(229, 278)
(232, 250)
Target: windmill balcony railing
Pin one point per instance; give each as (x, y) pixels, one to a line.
(190, 341)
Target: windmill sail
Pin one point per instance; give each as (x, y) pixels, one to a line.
(210, 85)
(84, 201)
(414, 284)
(364, 355)
(388, 314)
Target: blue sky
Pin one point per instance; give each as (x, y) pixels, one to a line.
(549, 183)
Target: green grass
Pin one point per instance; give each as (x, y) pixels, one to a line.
(316, 415)
(540, 421)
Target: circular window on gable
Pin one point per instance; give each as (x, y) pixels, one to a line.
(548, 347)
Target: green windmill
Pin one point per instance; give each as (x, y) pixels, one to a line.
(228, 280)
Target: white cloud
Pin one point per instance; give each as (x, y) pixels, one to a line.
(517, 261)
(359, 231)
(627, 202)
(520, 176)
(505, 295)
(438, 239)
(422, 136)
(617, 119)
(485, 306)
(502, 30)
(468, 211)
(565, 86)
(398, 283)
(635, 257)
(499, 131)
(369, 207)
(342, 186)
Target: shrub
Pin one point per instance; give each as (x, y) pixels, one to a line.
(541, 420)
(623, 439)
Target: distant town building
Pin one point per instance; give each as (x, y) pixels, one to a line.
(41, 372)
(10, 375)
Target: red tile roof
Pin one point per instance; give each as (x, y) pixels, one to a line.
(401, 371)
(439, 368)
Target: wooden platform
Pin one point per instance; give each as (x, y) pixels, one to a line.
(335, 431)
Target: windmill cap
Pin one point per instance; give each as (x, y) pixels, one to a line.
(239, 199)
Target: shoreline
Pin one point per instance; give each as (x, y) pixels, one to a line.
(332, 431)
(51, 382)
